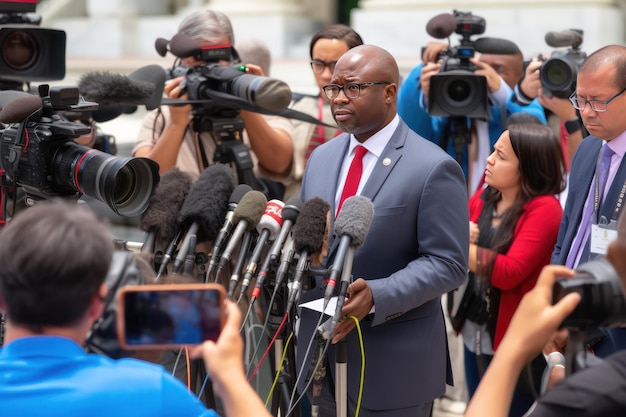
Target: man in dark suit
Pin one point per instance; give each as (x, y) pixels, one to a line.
(415, 251)
(600, 98)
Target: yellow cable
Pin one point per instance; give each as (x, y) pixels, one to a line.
(280, 367)
(361, 345)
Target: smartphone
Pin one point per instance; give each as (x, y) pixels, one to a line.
(169, 316)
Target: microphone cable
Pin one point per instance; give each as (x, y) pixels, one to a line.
(278, 369)
(361, 379)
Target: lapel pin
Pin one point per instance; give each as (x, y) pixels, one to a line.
(386, 162)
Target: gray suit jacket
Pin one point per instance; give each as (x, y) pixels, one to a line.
(415, 251)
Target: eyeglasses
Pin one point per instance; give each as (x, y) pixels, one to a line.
(318, 65)
(351, 90)
(596, 105)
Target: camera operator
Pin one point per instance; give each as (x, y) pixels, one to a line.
(167, 135)
(503, 72)
(52, 290)
(569, 128)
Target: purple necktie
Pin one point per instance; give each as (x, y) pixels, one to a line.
(582, 236)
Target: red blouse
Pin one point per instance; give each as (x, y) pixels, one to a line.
(516, 272)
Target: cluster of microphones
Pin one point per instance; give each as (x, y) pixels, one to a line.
(253, 242)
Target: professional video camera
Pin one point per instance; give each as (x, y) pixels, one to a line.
(28, 52)
(558, 73)
(37, 152)
(456, 90)
(218, 92)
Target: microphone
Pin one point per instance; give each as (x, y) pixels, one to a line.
(289, 216)
(308, 238)
(242, 255)
(268, 228)
(142, 87)
(224, 232)
(160, 219)
(246, 216)
(351, 226)
(20, 107)
(441, 26)
(563, 38)
(205, 207)
(496, 46)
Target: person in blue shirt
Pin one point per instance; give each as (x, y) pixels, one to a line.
(502, 71)
(55, 257)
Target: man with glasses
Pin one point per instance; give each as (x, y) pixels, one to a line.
(597, 181)
(415, 250)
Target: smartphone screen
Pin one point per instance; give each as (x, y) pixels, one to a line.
(170, 315)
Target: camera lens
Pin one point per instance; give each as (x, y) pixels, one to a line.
(459, 90)
(559, 76)
(19, 50)
(124, 184)
(458, 93)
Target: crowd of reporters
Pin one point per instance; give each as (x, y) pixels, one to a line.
(200, 224)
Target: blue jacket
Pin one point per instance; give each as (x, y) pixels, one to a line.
(411, 109)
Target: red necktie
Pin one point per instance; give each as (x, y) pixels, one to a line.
(354, 175)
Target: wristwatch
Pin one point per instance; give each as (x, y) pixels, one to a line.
(573, 125)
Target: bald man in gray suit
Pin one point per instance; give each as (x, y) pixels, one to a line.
(415, 251)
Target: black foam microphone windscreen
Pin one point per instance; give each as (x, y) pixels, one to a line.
(19, 108)
(309, 234)
(207, 201)
(166, 203)
(441, 26)
(108, 87)
(310, 229)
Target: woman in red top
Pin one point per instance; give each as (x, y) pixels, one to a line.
(514, 224)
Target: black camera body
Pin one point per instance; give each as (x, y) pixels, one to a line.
(456, 91)
(602, 301)
(38, 154)
(558, 73)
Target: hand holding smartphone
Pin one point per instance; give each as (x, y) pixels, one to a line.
(169, 316)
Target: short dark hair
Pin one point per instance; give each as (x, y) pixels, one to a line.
(336, 31)
(54, 256)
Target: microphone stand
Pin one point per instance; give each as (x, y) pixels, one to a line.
(341, 351)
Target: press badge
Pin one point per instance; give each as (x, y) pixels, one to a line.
(601, 236)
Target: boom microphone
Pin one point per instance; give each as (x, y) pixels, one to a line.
(268, 228)
(496, 46)
(246, 216)
(441, 26)
(351, 226)
(205, 207)
(160, 219)
(308, 238)
(564, 38)
(142, 87)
